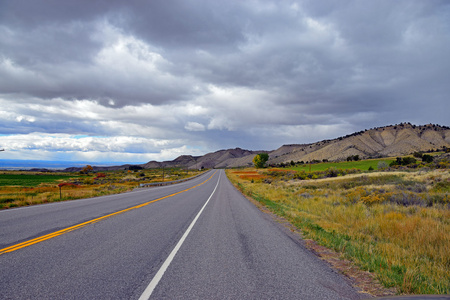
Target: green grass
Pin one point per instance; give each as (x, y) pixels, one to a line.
(363, 165)
(30, 179)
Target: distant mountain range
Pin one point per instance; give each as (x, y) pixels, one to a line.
(388, 141)
(20, 164)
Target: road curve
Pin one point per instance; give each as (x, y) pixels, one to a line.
(232, 250)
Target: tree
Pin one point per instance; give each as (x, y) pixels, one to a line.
(87, 169)
(260, 160)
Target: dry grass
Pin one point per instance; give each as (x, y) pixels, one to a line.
(394, 225)
(19, 194)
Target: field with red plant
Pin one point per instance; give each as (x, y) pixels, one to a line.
(250, 175)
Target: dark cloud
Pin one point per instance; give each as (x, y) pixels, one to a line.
(181, 25)
(202, 75)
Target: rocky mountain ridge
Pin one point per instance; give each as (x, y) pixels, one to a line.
(387, 141)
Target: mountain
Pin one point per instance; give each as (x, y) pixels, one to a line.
(388, 141)
(218, 159)
(393, 140)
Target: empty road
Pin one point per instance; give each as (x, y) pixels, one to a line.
(199, 239)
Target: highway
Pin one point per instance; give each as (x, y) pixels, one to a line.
(199, 239)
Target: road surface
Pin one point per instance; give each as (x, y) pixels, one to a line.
(199, 239)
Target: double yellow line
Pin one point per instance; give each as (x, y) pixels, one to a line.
(81, 225)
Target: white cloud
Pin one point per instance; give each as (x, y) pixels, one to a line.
(41, 146)
(194, 126)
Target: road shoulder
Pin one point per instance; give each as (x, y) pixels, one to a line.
(363, 281)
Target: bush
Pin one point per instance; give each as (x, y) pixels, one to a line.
(442, 186)
(353, 157)
(382, 165)
(427, 158)
(418, 154)
(300, 175)
(331, 172)
(403, 161)
(408, 161)
(406, 198)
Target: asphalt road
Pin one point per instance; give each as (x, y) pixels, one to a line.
(225, 249)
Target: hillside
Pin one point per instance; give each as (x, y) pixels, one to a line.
(394, 140)
(218, 159)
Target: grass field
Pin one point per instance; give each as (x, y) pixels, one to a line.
(395, 225)
(18, 188)
(362, 165)
(32, 179)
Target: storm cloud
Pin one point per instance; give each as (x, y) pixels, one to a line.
(142, 80)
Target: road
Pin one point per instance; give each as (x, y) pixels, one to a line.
(199, 239)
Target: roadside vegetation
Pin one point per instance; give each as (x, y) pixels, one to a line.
(393, 221)
(22, 188)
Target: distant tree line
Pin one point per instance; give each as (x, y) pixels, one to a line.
(425, 157)
(353, 158)
(135, 168)
(403, 161)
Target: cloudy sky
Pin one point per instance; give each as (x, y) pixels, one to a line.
(134, 81)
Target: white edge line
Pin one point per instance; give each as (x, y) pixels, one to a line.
(152, 285)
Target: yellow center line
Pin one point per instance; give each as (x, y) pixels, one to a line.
(81, 225)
